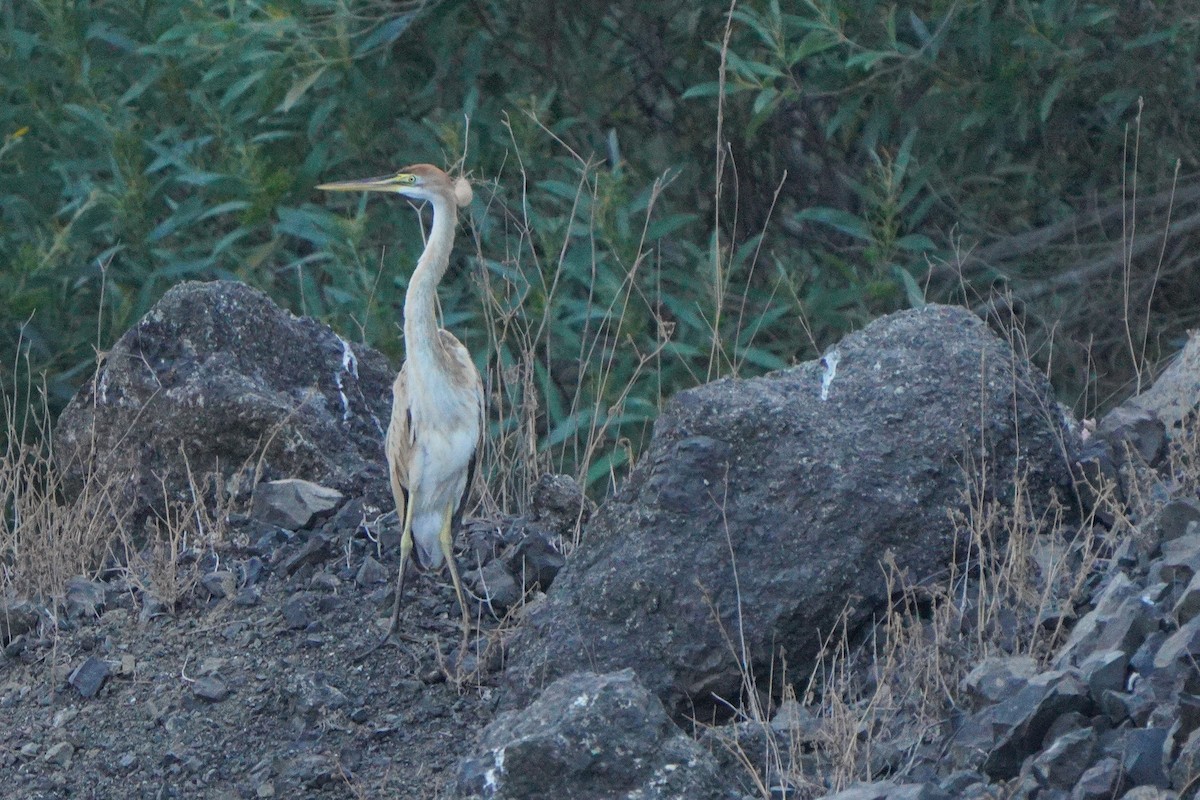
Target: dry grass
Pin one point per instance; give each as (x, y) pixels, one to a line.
(869, 706)
(46, 537)
(167, 560)
(50, 533)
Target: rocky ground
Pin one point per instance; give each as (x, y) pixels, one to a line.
(761, 514)
(250, 688)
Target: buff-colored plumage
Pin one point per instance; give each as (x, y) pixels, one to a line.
(437, 399)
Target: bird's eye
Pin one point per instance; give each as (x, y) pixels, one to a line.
(407, 178)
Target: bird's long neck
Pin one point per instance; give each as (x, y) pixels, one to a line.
(421, 340)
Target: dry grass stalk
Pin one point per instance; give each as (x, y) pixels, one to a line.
(46, 539)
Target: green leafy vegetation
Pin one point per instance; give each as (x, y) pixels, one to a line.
(666, 193)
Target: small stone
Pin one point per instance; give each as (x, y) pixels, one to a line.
(248, 596)
(1173, 518)
(324, 581)
(292, 503)
(16, 646)
(89, 676)
(536, 561)
(295, 611)
(1101, 781)
(59, 754)
(64, 716)
(1188, 607)
(795, 721)
(85, 598)
(152, 606)
(210, 688)
(315, 550)
(219, 584)
(1181, 557)
(1142, 758)
(995, 679)
(29, 750)
(1104, 671)
(495, 586)
(371, 572)
(17, 617)
(1063, 762)
(252, 570)
(1139, 430)
(1181, 646)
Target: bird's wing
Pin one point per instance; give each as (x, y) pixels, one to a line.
(469, 376)
(400, 441)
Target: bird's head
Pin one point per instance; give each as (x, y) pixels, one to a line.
(420, 182)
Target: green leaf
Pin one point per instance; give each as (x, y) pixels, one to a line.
(298, 89)
(916, 243)
(813, 43)
(839, 220)
(385, 34)
(1047, 104)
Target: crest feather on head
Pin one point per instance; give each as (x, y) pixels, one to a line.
(462, 192)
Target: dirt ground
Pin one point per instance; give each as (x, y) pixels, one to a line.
(256, 694)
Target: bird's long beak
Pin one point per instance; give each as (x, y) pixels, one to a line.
(383, 183)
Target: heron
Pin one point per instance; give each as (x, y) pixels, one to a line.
(436, 427)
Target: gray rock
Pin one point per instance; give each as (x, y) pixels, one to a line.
(315, 550)
(220, 584)
(495, 586)
(215, 372)
(1187, 607)
(85, 598)
(1135, 430)
(560, 505)
(1149, 793)
(17, 617)
(1082, 639)
(89, 676)
(1101, 781)
(1010, 731)
(762, 505)
(311, 695)
(293, 504)
(210, 688)
(60, 754)
(1175, 395)
(371, 572)
(1063, 763)
(591, 736)
(1186, 767)
(1183, 646)
(795, 722)
(1104, 671)
(1133, 620)
(888, 790)
(1181, 557)
(994, 679)
(1172, 520)
(308, 771)
(295, 611)
(1143, 757)
(536, 561)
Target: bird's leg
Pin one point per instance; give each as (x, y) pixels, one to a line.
(406, 544)
(446, 538)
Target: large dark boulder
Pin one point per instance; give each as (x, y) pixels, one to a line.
(591, 736)
(763, 508)
(217, 377)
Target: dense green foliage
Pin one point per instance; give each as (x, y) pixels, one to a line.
(653, 209)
